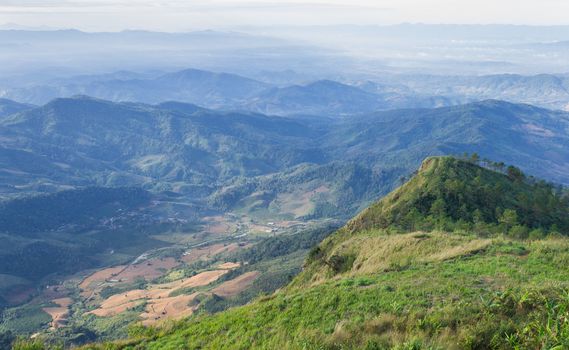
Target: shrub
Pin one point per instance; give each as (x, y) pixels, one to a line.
(519, 231)
(341, 263)
(536, 234)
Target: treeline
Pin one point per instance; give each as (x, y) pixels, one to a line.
(72, 207)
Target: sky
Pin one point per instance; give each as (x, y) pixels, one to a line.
(178, 15)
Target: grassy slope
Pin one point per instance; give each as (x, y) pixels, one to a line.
(367, 287)
(474, 298)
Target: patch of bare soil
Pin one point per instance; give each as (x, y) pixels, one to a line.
(59, 313)
(159, 303)
(205, 253)
(236, 285)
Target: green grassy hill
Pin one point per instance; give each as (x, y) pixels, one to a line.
(448, 279)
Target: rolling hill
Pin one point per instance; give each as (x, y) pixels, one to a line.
(378, 283)
(370, 153)
(515, 133)
(234, 160)
(207, 88)
(306, 96)
(82, 141)
(225, 91)
(320, 97)
(544, 90)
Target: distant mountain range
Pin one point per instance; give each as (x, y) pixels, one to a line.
(545, 90)
(320, 97)
(354, 52)
(223, 90)
(36, 56)
(230, 156)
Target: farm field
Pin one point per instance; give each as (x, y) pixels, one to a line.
(236, 285)
(165, 282)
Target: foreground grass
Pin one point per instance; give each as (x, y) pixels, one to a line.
(506, 295)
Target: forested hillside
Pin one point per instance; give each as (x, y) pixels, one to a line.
(63, 232)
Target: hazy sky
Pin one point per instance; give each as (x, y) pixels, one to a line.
(178, 15)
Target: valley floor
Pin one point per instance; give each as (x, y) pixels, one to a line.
(200, 268)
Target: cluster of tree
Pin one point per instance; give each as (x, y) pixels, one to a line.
(462, 194)
(498, 204)
(514, 173)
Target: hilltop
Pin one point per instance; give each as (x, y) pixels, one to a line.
(450, 194)
(379, 284)
(454, 196)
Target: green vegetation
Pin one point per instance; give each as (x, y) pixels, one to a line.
(73, 207)
(277, 259)
(51, 233)
(24, 319)
(270, 248)
(450, 194)
(308, 191)
(437, 264)
(109, 226)
(50, 237)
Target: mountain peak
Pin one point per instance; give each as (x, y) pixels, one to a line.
(448, 193)
(193, 73)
